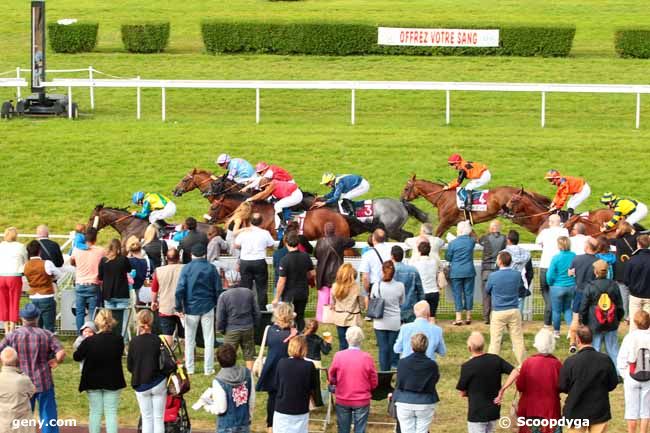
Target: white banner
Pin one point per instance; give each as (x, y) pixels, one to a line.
(437, 37)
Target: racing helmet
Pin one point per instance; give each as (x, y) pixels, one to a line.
(454, 159)
(327, 178)
(137, 197)
(552, 175)
(608, 197)
(261, 167)
(224, 158)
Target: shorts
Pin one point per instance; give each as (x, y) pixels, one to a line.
(169, 324)
(243, 338)
(637, 399)
(577, 300)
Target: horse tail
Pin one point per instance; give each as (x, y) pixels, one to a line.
(413, 211)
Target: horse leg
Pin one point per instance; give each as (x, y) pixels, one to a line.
(443, 226)
(400, 235)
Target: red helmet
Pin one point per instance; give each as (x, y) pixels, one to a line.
(454, 159)
(261, 166)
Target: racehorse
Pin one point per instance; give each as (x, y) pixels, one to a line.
(312, 226)
(123, 222)
(203, 180)
(445, 202)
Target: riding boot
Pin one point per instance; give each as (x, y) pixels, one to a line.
(468, 200)
(570, 212)
(347, 206)
(283, 222)
(160, 228)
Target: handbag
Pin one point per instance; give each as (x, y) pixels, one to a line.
(376, 305)
(260, 360)
(392, 409)
(166, 359)
(441, 278)
(328, 315)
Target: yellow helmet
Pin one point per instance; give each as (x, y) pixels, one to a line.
(327, 178)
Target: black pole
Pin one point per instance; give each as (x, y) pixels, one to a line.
(38, 48)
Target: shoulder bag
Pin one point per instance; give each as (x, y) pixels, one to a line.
(166, 359)
(259, 362)
(376, 305)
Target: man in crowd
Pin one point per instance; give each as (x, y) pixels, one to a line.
(587, 377)
(492, 243)
(87, 277)
(40, 275)
(163, 292)
(253, 242)
(421, 325)
(39, 351)
(15, 395)
(409, 276)
(50, 250)
(578, 238)
(426, 234)
(506, 286)
(521, 262)
(637, 278)
(583, 271)
(199, 286)
(237, 314)
(192, 238)
(547, 239)
(373, 259)
(296, 270)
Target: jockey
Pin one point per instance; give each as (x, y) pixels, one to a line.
(633, 211)
(287, 195)
(344, 188)
(576, 187)
(239, 170)
(477, 173)
(270, 172)
(156, 207)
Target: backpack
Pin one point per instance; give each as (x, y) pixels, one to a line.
(641, 370)
(605, 311)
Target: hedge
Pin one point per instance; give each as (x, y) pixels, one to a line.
(633, 43)
(145, 38)
(73, 38)
(220, 36)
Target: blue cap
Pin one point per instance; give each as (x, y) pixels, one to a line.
(30, 311)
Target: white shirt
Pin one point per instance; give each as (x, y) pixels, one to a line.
(370, 263)
(628, 350)
(547, 238)
(253, 242)
(435, 242)
(578, 244)
(13, 257)
(428, 269)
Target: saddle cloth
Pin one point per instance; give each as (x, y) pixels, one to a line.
(363, 210)
(479, 199)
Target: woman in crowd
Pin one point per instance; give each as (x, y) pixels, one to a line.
(387, 328)
(113, 273)
(13, 257)
(141, 266)
(603, 252)
(147, 380)
(346, 302)
(216, 246)
(278, 336)
(353, 376)
(155, 248)
(562, 285)
(101, 376)
(427, 266)
(637, 393)
(297, 381)
(415, 394)
(625, 244)
(460, 255)
(538, 384)
(316, 345)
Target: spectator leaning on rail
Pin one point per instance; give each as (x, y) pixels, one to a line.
(409, 276)
(547, 239)
(421, 325)
(460, 255)
(637, 278)
(13, 257)
(427, 267)
(426, 234)
(39, 351)
(40, 275)
(199, 287)
(506, 286)
(87, 277)
(492, 243)
(16, 391)
(50, 250)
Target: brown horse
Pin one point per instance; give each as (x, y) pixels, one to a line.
(313, 226)
(203, 181)
(593, 222)
(445, 202)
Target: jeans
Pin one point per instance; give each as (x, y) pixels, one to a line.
(625, 294)
(561, 300)
(255, 270)
(546, 295)
(343, 343)
(46, 409)
(415, 421)
(86, 295)
(463, 289)
(48, 312)
(207, 326)
(346, 415)
(611, 343)
(152, 408)
(299, 306)
(385, 342)
(103, 401)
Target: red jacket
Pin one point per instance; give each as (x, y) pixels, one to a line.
(354, 374)
(538, 383)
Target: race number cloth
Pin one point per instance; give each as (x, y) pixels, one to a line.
(479, 200)
(365, 212)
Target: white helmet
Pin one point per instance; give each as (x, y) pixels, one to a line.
(224, 158)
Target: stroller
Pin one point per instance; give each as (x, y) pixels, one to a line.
(177, 419)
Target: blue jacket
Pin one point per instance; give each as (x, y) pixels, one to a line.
(420, 325)
(558, 270)
(460, 255)
(505, 286)
(342, 184)
(417, 376)
(198, 289)
(240, 168)
(413, 291)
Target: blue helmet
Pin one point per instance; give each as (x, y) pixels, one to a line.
(137, 197)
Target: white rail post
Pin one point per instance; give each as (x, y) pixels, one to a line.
(353, 117)
(257, 105)
(543, 109)
(91, 88)
(448, 107)
(138, 102)
(18, 87)
(69, 102)
(164, 103)
(638, 110)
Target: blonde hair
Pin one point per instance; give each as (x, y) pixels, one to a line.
(241, 216)
(150, 234)
(283, 315)
(133, 244)
(346, 279)
(144, 319)
(419, 343)
(297, 347)
(114, 249)
(563, 243)
(11, 234)
(104, 320)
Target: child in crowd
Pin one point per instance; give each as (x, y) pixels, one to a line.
(79, 240)
(180, 232)
(88, 330)
(315, 344)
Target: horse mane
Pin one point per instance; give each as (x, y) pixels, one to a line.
(236, 196)
(196, 170)
(539, 198)
(121, 209)
(431, 182)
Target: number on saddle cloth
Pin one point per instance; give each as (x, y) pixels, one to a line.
(479, 198)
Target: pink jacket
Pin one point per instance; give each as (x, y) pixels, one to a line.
(354, 374)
